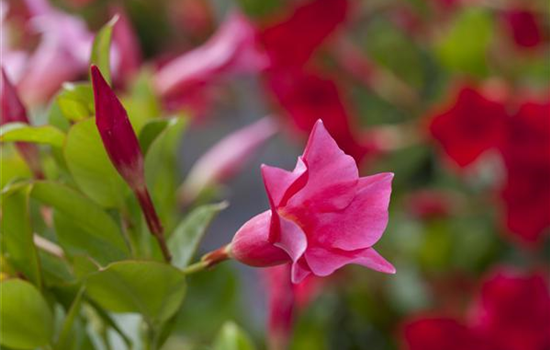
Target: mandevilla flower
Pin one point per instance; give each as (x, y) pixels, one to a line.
(122, 146)
(472, 124)
(512, 312)
(226, 157)
(523, 27)
(322, 217)
(13, 111)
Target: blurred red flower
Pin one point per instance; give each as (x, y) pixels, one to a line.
(526, 154)
(307, 97)
(469, 126)
(523, 27)
(512, 312)
(293, 41)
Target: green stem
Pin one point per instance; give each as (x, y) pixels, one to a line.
(208, 260)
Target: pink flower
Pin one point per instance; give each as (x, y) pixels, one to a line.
(62, 55)
(232, 50)
(122, 146)
(472, 124)
(13, 111)
(227, 157)
(127, 44)
(284, 300)
(323, 215)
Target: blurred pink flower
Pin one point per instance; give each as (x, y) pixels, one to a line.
(62, 55)
(232, 50)
(523, 27)
(284, 300)
(471, 124)
(322, 216)
(512, 312)
(227, 157)
(526, 193)
(13, 111)
(127, 47)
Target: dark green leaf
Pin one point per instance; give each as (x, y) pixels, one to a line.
(64, 341)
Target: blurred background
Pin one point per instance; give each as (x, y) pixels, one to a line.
(450, 95)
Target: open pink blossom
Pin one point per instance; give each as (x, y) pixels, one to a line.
(323, 215)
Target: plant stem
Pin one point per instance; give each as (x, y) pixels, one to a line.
(208, 260)
(153, 221)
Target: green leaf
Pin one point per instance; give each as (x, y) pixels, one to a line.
(81, 225)
(185, 239)
(12, 166)
(76, 101)
(26, 321)
(64, 341)
(464, 47)
(150, 131)
(17, 234)
(20, 132)
(231, 337)
(160, 162)
(141, 102)
(101, 49)
(91, 167)
(153, 289)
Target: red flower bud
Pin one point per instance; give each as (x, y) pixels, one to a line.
(117, 133)
(13, 111)
(122, 146)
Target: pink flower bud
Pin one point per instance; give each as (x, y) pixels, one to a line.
(13, 111)
(323, 215)
(227, 157)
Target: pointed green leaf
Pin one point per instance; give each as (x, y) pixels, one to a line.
(231, 337)
(26, 321)
(185, 239)
(65, 339)
(91, 167)
(17, 234)
(101, 49)
(81, 225)
(153, 289)
(75, 102)
(20, 132)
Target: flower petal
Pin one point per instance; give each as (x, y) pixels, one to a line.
(324, 262)
(362, 223)
(333, 175)
(300, 270)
